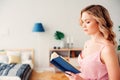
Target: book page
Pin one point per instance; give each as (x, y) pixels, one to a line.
(54, 55)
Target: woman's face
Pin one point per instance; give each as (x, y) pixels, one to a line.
(89, 24)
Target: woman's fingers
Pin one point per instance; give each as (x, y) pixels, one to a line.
(73, 76)
(69, 73)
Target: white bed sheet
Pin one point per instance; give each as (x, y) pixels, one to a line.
(9, 78)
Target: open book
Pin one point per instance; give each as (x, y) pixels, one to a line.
(59, 62)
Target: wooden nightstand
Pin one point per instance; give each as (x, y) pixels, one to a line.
(48, 75)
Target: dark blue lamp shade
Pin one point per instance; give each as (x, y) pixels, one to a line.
(38, 27)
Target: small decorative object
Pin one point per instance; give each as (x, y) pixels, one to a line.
(60, 36)
(58, 47)
(54, 47)
(69, 42)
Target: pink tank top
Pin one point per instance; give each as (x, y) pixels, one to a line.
(92, 68)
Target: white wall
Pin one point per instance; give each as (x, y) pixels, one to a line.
(17, 18)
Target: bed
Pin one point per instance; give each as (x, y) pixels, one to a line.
(16, 64)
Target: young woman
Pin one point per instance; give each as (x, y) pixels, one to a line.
(98, 60)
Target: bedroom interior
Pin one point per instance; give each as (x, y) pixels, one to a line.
(17, 20)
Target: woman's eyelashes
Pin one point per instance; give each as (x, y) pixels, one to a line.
(85, 22)
(88, 22)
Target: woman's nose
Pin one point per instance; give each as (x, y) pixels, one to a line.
(83, 25)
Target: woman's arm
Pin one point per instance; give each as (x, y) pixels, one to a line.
(110, 59)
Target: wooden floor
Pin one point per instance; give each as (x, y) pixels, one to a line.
(47, 75)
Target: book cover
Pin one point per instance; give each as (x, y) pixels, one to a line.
(62, 64)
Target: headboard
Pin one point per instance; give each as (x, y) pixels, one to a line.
(24, 53)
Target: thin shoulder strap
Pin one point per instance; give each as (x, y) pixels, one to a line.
(104, 46)
(101, 48)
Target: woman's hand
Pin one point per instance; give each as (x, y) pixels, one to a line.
(73, 76)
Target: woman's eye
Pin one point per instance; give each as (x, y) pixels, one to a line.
(88, 22)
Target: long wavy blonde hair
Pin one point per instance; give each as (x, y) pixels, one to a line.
(102, 16)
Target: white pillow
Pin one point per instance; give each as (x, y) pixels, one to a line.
(3, 58)
(25, 56)
(28, 62)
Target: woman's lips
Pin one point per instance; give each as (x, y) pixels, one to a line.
(85, 30)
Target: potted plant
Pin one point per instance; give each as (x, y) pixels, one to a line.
(60, 36)
(118, 48)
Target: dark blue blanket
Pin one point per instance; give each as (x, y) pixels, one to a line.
(21, 70)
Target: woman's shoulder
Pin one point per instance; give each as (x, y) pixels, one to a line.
(107, 52)
(108, 44)
(108, 48)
